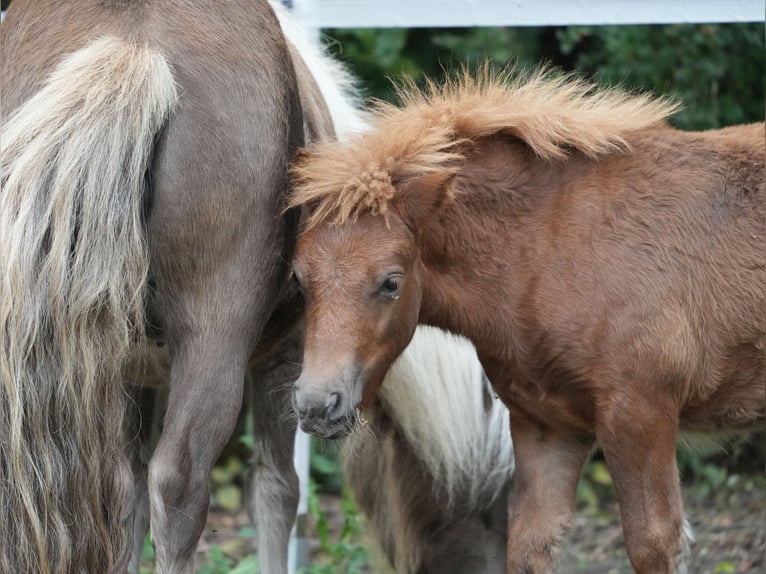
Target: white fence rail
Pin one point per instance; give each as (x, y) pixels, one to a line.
(469, 13)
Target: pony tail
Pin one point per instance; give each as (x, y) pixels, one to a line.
(73, 265)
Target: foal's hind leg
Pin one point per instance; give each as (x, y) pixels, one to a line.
(273, 493)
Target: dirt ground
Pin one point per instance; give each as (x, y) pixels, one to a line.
(729, 527)
(729, 537)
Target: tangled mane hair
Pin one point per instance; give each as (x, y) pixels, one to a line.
(551, 113)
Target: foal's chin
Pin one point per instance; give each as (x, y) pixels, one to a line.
(331, 431)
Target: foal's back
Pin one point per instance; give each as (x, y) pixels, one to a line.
(660, 242)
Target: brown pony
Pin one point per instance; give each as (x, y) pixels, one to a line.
(608, 268)
(144, 162)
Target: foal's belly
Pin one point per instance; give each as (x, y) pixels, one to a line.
(728, 410)
(733, 396)
(734, 405)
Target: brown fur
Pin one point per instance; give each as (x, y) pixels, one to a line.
(613, 284)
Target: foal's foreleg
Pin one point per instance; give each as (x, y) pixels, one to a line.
(548, 466)
(205, 398)
(273, 493)
(638, 437)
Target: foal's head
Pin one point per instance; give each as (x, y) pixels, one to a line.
(362, 284)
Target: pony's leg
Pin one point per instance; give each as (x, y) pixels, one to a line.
(548, 466)
(273, 492)
(140, 521)
(219, 259)
(638, 440)
(203, 404)
(147, 406)
(464, 545)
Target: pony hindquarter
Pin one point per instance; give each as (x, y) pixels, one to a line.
(73, 266)
(330, 108)
(609, 270)
(434, 488)
(206, 110)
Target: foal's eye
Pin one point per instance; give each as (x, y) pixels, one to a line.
(390, 286)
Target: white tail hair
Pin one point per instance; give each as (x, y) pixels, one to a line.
(73, 264)
(438, 396)
(336, 83)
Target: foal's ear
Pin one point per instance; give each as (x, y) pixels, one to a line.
(420, 198)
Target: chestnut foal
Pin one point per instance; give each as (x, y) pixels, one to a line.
(608, 268)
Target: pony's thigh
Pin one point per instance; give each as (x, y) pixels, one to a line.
(273, 493)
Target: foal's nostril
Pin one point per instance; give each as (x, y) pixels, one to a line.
(332, 401)
(333, 404)
(317, 409)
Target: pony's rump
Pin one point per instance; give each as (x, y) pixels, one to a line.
(73, 262)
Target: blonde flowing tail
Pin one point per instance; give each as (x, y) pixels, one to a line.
(73, 264)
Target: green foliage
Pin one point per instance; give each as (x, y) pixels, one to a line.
(595, 488)
(227, 480)
(325, 468)
(346, 554)
(378, 56)
(715, 70)
(703, 477)
(217, 561)
(724, 567)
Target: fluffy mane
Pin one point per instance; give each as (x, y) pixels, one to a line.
(552, 114)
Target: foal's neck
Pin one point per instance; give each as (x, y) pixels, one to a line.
(465, 276)
(479, 253)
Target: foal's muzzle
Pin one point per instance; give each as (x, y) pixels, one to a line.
(325, 414)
